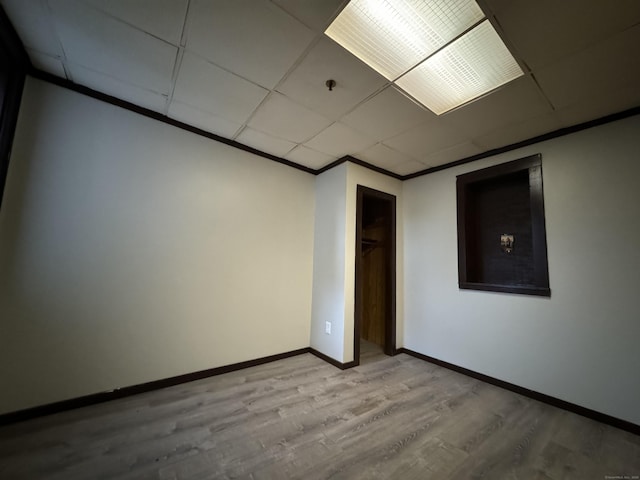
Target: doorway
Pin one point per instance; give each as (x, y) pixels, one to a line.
(375, 283)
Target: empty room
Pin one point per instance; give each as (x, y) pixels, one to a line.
(313, 239)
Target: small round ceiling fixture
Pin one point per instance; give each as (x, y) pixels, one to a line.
(330, 84)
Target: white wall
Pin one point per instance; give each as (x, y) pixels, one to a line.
(580, 345)
(131, 251)
(329, 263)
(357, 175)
(335, 253)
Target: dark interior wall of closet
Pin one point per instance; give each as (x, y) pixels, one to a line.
(376, 232)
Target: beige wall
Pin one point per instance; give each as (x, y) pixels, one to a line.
(335, 253)
(132, 251)
(358, 175)
(329, 263)
(580, 345)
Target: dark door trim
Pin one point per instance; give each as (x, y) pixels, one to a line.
(390, 317)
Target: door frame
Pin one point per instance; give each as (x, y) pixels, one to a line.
(390, 317)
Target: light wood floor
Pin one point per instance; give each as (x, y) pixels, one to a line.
(392, 417)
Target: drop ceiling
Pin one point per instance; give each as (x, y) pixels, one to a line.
(254, 71)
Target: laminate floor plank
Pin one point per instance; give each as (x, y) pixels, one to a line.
(302, 418)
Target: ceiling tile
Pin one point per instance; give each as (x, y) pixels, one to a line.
(340, 140)
(254, 39)
(451, 154)
(316, 14)
(266, 143)
(47, 63)
(103, 44)
(327, 60)
(519, 132)
(384, 157)
(283, 118)
(203, 120)
(212, 89)
(387, 114)
(599, 106)
(116, 88)
(513, 103)
(546, 30)
(584, 60)
(409, 167)
(309, 158)
(425, 139)
(161, 18)
(33, 24)
(588, 74)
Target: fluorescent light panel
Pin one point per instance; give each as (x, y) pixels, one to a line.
(395, 36)
(471, 66)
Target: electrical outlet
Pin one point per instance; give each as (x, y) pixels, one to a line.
(327, 328)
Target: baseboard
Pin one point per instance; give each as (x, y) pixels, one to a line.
(84, 401)
(64, 405)
(333, 361)
(556, 402)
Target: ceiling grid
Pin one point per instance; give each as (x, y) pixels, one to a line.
(254, 71)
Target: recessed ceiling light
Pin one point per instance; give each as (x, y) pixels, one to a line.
(393, 36)
(473, 65)
(440, 52)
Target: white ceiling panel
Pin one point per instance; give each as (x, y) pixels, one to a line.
(599, 106)
(116, 88)
(207, 87)
(327, 60)
(35, 27)
(387, 114)
(161, 18)
(309, 158)
(47, 63)
(103, 44)
(203, 120)
(266, 143)
(254, 39)
(409, 167)
(424, 139)
(340, 140)
(518, 132)
(255, 71)
(543, 31)
(510, 104)
(451, 154)
(283, 118)
(384, 157)
(316, 14)
(587, 74)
